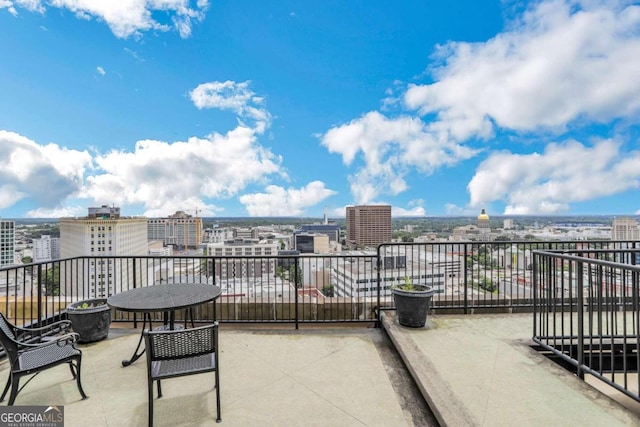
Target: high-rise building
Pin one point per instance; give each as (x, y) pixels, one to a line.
(625, 228)
(7, 242)
(368, 225)
(103, 234)
(46, 248)
(180, 229)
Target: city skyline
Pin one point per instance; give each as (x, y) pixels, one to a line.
(283, 109)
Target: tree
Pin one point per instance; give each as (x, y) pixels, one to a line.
(327, 291)
(51, 281)
(295, 275)
(486, 284)
(27, 260)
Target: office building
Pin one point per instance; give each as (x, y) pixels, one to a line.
(180, 230)
(217, 235)
(7, 242)
(331, 230)
(311, 243)
(46, 248)
(103, 234)
(625, 228)
(243, 259)
(368, 225)
(246, 233)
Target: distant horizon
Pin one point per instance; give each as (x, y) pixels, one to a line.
(298, 218)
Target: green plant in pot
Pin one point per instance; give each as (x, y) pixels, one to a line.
(90, 318)
(412, 303)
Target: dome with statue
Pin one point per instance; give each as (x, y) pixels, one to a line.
(483, 216)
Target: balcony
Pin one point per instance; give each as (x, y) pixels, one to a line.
(307, 359)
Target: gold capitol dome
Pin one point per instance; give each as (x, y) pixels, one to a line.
(483, 216)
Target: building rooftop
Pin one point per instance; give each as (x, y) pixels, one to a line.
(472, 370)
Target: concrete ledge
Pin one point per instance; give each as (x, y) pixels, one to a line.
(481, 370)
(441, 399)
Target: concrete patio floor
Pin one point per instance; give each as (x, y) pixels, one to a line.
(472, 369)
(328, 377)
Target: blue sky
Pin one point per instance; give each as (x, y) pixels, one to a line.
(288, 108)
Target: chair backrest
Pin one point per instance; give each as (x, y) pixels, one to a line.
(182, 343)
(8, 338)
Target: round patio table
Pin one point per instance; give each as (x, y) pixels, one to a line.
(165, 298)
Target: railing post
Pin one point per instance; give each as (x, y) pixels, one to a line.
(135, 317)
(379, 293)
(295, 286)
(580, 309)
(39, 309)
(378, 265)
(466, 299)
(535, 293)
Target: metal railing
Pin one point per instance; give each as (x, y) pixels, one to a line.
(587, 313)
(352, 287)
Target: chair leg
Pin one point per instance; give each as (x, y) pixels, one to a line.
(6, 388)
(159, 390)
(219, 418)
(14, 390)
(150, 392)
(78, 382)
(72, 369)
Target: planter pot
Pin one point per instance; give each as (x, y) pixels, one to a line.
(412, 306)
(90, 319)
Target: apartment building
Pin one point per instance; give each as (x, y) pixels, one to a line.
(7, 242)
(243, 259)
(46, 248)
(368, 225)
(103, 234)
(625, 228)
(180, 230)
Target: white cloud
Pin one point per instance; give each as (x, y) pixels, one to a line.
(62, 212)
(160, 177)
(389, 147)
(278, 201)
(101, 71)
(125, 18)
(561, 62)
(46, 173)
(166, 177)
(546, 183)
(232, 96)
(415, 211)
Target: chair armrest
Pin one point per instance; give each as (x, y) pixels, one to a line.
(61, 340)
(62, 325)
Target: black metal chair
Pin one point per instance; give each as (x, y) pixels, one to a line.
(31, 351)
(176, 353)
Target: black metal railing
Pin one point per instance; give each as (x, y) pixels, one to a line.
(587, 313)
(346, 287)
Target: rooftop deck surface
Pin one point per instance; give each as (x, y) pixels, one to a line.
(472, 369)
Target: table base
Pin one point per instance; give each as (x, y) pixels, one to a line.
(138, 352)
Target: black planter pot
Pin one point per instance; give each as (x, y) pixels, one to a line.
(90, 319)
(412, 306)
